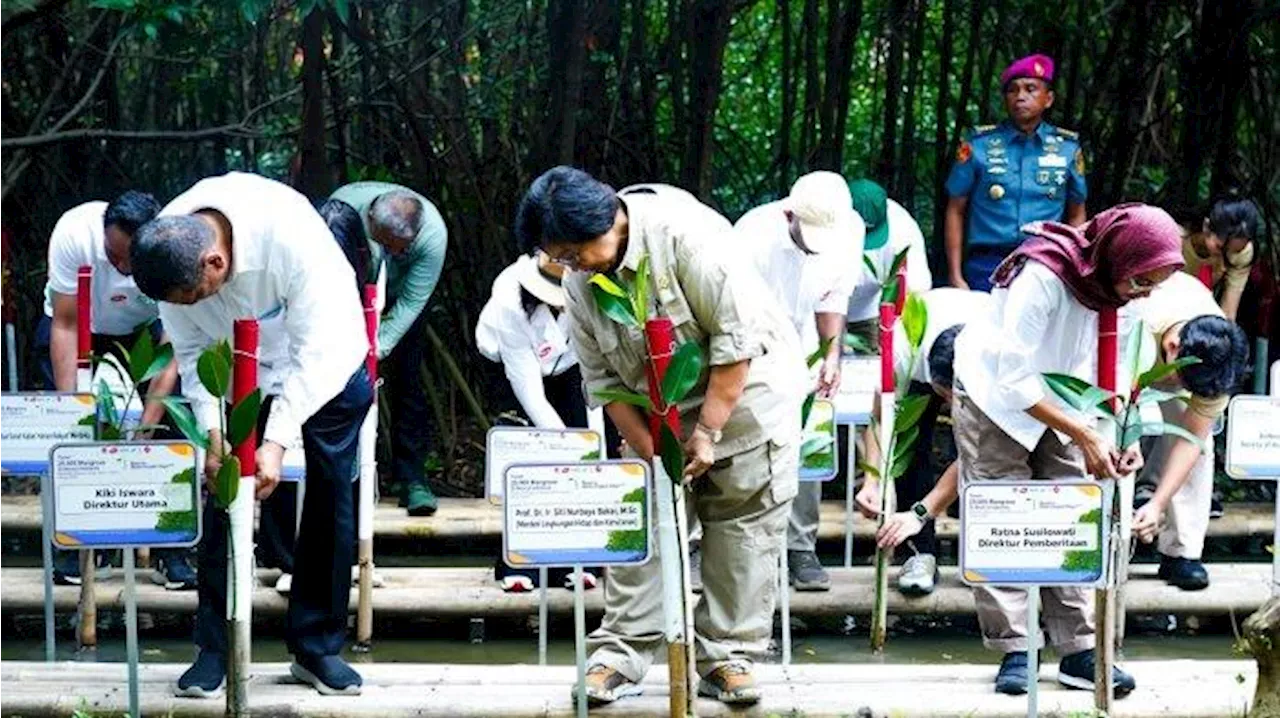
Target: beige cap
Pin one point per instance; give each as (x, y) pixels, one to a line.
(822, 203)
(538, 283)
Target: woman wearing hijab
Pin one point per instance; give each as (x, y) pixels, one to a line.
(1045, 319)
(525, 328)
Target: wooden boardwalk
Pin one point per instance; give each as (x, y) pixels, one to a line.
(468, 519)
(472, 593)
(1166, 689)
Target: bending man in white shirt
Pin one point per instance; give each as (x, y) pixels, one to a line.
(242, 246)
(806, 246)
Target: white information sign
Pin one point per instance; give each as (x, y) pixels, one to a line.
(818, 448)
(30, 424)
(594, 513)
(859, 383)
(1041, 533)
(1253, 437)
(507, 445)
(122, 494)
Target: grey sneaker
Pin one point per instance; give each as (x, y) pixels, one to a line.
(806, 571)
(919, 575)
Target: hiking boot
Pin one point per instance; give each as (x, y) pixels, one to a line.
(806, 571)
(606, 685)
(919, 575)
(205, 678)
(1185, 573)
(420, 501)
(731, 683)
(174, 572)
(328, 674)
(1011, 680)
(695, 566)
(1076, 671)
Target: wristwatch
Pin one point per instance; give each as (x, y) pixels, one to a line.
(921, 511)
(714, 434)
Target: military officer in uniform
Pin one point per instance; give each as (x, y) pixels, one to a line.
(1021, 170)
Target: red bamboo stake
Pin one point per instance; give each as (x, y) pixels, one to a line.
(1107, 603)
(888, 316)
(888, 386)
(368, 476)
(371, 330)
(84, 326)
(240, 514)
(659, 333)
(901, 299)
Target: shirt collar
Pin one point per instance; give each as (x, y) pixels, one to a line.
(633, 205)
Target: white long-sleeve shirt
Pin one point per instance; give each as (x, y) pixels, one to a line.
(284, 260)
(529, 346)
(947, 307)
(805, 284)
(1035, 326)
(904, 233)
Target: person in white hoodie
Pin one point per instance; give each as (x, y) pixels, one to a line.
(242, 246)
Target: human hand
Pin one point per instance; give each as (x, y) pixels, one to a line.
(898, 528)
(699, 453)
(270, 458)
(1099, 454)
(1131, 460)
(957, 281)
(213, 459)
(1147, 521)
(829, 376)
(868, 498)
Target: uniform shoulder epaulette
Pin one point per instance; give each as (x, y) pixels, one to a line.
(980, 130)
(1069, 134)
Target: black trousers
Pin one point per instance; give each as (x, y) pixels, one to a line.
(921, 475)
(316, 623)
(407, 403)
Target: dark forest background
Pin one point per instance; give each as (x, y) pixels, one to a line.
(468, 100)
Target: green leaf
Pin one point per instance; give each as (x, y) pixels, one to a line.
(1160, 371)
(815, 445)
(898, 259)
(682, 373)
(672, 454)
(818, 353)
(910, 408)
(616, 308)
(608, 285)
(123, 352)
(185, 421)
(901, 462)
(889, 295)
(1136, 431)
(109, 362)
(343, 9)
(1080, 394)
(109, 432)
(871, 267)
(1153, 395)
(140, 357)
(806, 409)
(223, 348)
(859, 344)
(915, 317)
(214, 372)
(228, 481)
(626, 397)
(869, 470)
(640, 291)
(160, 362)
(244, 418)
(107, 406)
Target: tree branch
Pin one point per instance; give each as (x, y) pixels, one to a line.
(49, 138)
(21, 19)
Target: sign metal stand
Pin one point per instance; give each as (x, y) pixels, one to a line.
(1253, 451)
(860, 379)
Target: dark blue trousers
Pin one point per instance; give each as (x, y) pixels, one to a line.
(316, 624)
(981, 262)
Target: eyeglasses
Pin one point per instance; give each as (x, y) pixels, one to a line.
(568, 260)
(1141, 284)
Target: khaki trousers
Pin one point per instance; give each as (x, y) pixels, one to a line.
(1187, 519)
(987, 453)
(742, 502)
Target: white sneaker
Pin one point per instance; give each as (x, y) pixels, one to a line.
(516, 583)
(589, 580)
(284, 584)
(919, 575)
(378, 580)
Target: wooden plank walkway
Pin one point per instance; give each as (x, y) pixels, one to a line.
(471, 593)
(1184, 688)
(477, 518)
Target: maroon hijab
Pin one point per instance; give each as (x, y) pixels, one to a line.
(1122, 242)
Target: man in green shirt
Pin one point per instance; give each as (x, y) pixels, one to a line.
(407, 235)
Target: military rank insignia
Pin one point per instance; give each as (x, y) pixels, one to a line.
(1080, 162)
(964, 152)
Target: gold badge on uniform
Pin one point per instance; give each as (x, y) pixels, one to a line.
(996, 191)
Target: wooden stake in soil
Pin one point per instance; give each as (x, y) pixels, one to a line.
(1105, 598)
(240, 576)
(88, 608)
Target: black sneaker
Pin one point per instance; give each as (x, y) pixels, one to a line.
(806, 571)
(174, 572)
(205, 678)
(1215, 508)
(1011, 680)
(328, 674)
(66, 567)
(1076, 671)
(1187, 574)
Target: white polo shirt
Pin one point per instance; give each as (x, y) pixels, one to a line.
(117, 307)
(805, 284)
(529, 346)
(904, 233)
(285, 262)
(1035, 326)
